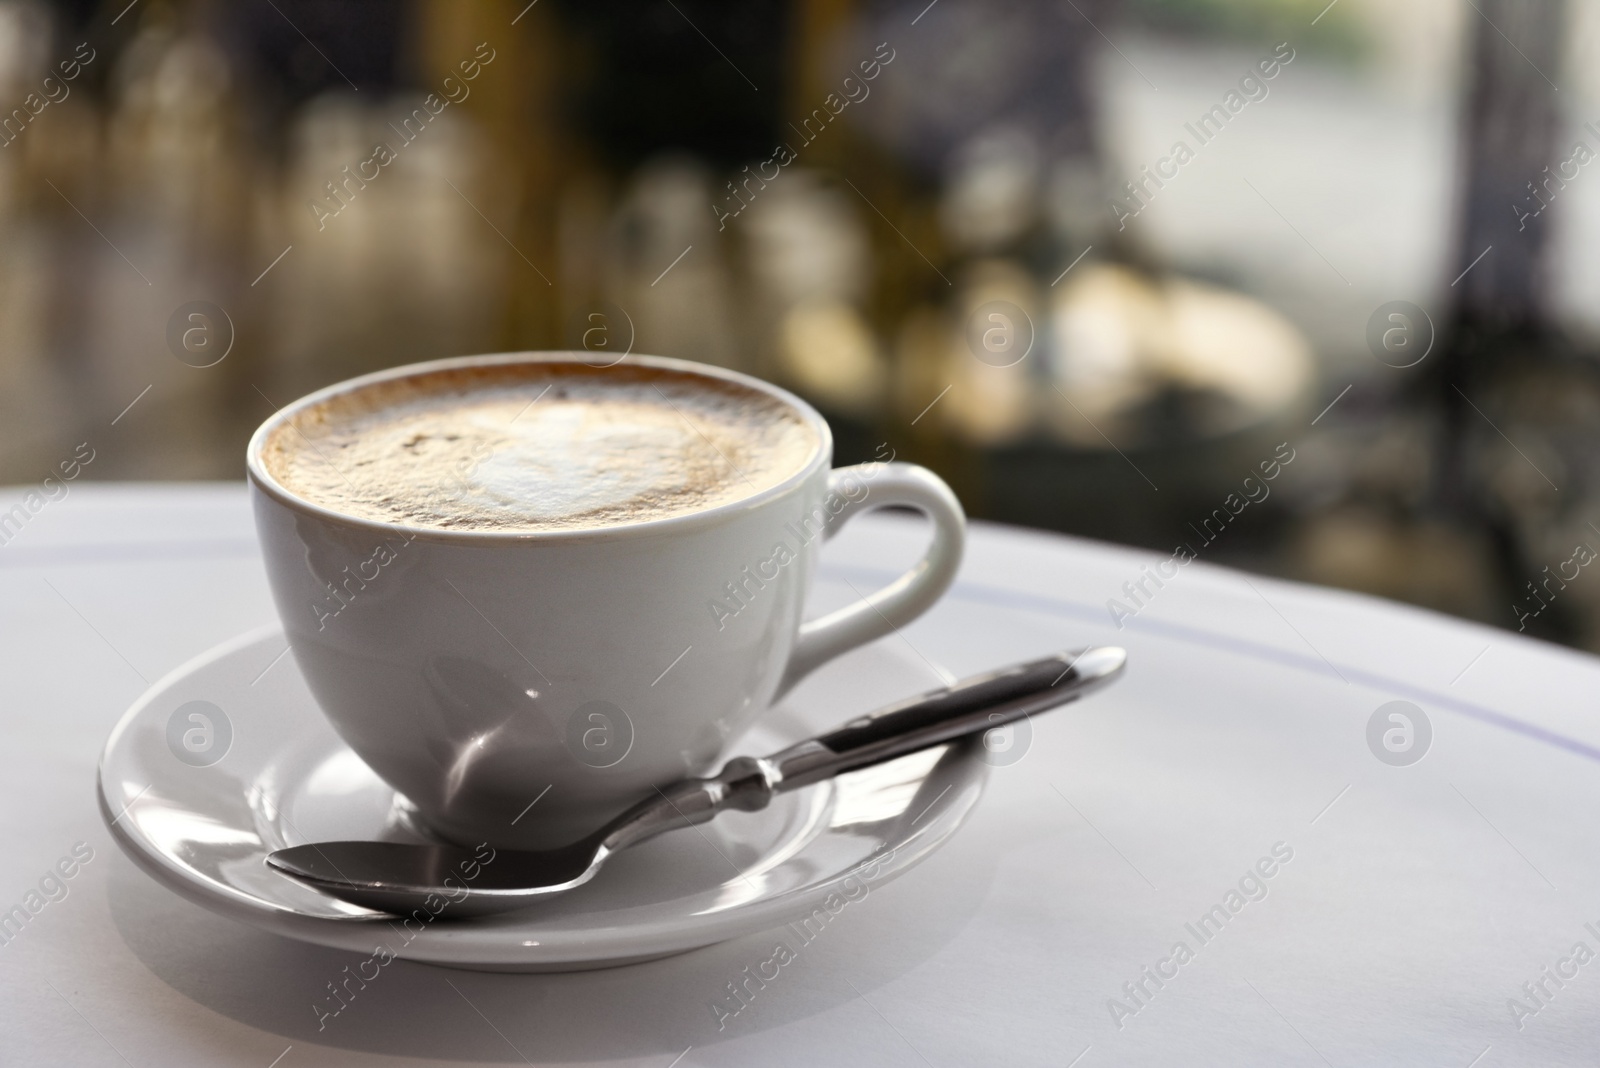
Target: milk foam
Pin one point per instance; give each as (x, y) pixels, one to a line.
(538, 446)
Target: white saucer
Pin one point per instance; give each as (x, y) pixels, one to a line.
(284, 778)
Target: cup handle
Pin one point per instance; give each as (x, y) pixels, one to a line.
(908, 596)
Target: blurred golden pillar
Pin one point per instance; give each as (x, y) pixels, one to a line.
(818, 28)
(895, 209)
(515, 101)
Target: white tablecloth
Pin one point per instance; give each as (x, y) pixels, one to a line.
(1418, 903)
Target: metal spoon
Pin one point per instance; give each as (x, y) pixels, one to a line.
(398, 878)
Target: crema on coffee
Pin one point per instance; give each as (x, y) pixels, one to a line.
(538, 446)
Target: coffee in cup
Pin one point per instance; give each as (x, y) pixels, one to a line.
(556, 446)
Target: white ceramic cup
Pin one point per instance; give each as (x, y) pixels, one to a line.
(482, 672)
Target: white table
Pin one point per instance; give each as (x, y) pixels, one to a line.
(1418, 901)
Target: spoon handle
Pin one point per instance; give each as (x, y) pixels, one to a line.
(975, 704)
(978, 703)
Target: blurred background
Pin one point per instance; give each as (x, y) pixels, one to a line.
(1301, 287)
